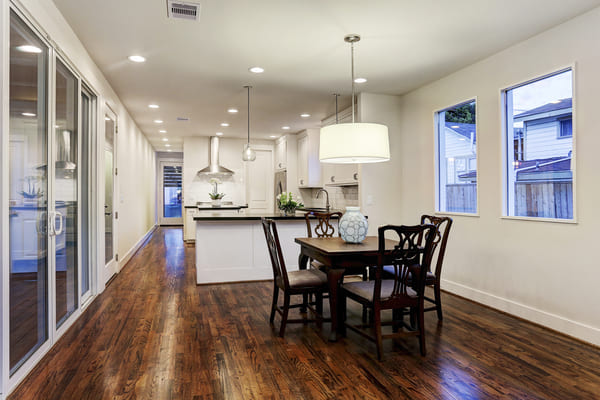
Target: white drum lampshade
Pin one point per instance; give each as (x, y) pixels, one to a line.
(354, 143)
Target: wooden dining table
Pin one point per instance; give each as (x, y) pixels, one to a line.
(337, 257)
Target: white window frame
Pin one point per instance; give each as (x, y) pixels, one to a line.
(507, 146)
(439, 169)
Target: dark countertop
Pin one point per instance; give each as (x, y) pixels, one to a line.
(248, 217)
(223, 207)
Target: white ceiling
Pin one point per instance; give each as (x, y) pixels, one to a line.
(198, 69)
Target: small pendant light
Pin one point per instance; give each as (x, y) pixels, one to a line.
(249, 154)
(356, 142)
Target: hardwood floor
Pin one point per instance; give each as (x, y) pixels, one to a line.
(154, 334)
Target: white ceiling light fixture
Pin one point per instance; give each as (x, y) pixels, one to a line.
(27, 48)
(360, 80)
(256, 70)
(232, 111)
(165, 139)
(248, 154)
(163, 131)
(224, 124)
(158, 121)
(137, 59)
(153, 106)
(356, 142)
(286, 128)
(219, 133)
(305, 115)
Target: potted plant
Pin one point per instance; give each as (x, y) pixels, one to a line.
(215, 196)
(287, 204)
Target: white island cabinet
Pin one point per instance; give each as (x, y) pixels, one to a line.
(232, 248)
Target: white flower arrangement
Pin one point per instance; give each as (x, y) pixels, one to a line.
(286, 202)
(215, 195)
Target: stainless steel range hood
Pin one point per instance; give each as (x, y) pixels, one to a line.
(213, 160)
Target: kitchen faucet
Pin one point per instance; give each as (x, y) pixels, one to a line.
(327, 198)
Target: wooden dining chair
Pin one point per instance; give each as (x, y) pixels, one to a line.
(323, 228)
(303, 282)
(410, 256)
(442, 225)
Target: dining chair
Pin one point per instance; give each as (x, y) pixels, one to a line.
(410, 256)
(323, 228)
(442, 225)
(302, 282)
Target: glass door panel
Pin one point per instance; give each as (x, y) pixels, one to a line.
(66, 196)
(28, 182)
(86, 130)
(109, 189)
(171, 193)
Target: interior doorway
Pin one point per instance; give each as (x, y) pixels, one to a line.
(170, 205)
(110, 212)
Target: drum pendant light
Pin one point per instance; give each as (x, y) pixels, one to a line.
(248, 154)
(354, 143)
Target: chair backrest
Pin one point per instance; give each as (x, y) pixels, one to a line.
(275, 253)
(411, 258)
(442, 225)
(323, 227)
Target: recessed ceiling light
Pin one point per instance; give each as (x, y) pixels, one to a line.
(273, 136)
(162, 131)
(153, 106)
(165, 139)
(287, 128)
(360, 80)
(158, 121)
(29, 49)
(232, 110)
(305, 115)
(169, 150)
(28, 114)
(219, 133)
(137, 59)
(167, 145)
(224, 124)
(256, 70)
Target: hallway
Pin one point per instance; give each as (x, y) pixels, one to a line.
(154, 334)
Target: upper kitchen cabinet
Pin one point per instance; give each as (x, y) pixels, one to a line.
(281, 153)
(340, 174)
(309, 167)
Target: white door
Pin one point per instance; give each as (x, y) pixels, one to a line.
(110, 212)
(260, 178)
(170, 193)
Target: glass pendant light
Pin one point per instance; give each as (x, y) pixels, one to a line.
(248, 154)
(354, 143)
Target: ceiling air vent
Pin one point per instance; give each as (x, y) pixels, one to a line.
(183, 10)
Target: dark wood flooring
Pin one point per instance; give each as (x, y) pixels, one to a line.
(154, 334)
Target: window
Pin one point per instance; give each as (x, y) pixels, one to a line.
(456, 159)
(539, 140)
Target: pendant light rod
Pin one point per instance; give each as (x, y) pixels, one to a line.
(352, 38)
(336, 107)
(248, 89)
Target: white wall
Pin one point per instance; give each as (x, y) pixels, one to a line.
(135, 155)
(541, 271)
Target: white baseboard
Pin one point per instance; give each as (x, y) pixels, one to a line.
(555, 322)
(123, 261)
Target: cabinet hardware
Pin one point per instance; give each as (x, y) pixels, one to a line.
(355, 176)
(332, 178)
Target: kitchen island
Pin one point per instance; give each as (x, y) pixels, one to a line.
(231, 247)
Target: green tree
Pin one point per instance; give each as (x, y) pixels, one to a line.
(464, 114)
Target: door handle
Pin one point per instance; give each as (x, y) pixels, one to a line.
(107, 213)
(60, 226)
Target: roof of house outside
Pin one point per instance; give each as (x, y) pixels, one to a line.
(463, 129)
(548, 107)
(546, 164)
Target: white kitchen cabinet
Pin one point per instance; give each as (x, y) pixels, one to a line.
(281, 154)
(309, 166)
(189, 225)
(340, 174)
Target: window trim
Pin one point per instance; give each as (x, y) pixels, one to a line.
(436, 163)
(506, 147)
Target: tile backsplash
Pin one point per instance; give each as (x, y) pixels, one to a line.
(340, 197)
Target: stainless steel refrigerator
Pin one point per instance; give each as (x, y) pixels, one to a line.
(280, 184)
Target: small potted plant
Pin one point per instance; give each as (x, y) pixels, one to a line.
(287, 204)
(215, 196)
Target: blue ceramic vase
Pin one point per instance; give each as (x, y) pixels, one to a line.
(353, 226)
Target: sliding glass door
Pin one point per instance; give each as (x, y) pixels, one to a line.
(28, 198)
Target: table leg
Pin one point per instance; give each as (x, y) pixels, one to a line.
(337, 319)
(303, 264)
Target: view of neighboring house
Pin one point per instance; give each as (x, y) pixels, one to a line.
(461, 152)
(543, 148)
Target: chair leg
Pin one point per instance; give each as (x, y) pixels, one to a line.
(284, 317)
(305, 301)
(377, 327)
(319, 307)
(397, 316)
(438, 300)
(342, 304)
(420, 316)
(274, 305)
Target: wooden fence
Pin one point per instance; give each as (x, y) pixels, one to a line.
(461, 198)
(544, 199)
